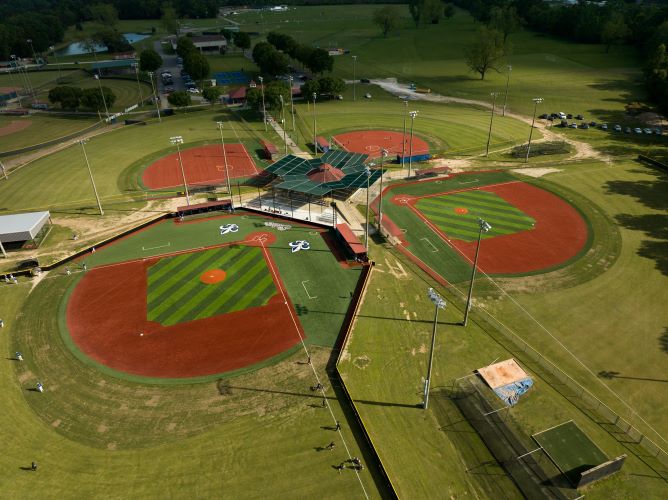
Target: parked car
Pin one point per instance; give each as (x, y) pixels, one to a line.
(193, 90)
(543, 116)
(584, 126)
(592, 124)
(604, 126)
(579, 117)
(367, 95)
(647, 131)
(563, 123)
(554, 115)
(573, 125)
(562, 115)
(550, 118)
(365, 80)
(569, 116)
(618, 128)
(657, 131)
(627, 130)
(637, 130)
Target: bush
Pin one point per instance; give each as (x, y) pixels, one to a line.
(541, 148)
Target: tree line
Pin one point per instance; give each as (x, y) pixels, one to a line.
(71, 98)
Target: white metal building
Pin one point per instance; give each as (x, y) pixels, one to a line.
(22, 227)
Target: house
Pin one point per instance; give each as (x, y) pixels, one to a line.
(210, 43)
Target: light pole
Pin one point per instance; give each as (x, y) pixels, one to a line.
(26, 83)
(439, 303)
(34, 59)
(55, 56)
(536, 102)
(264, 110)
(403, 138)
(413, 114)
(11, 75)
(155, 98)
(102, 94)
(177, 141)
(90, 172)
(383, 154)
(141, 95)
(227, 174)
(484, 226)
(315, 142)
(491, 119)
(367, 171)
(292, 105)
(354, 77)
(285, 139)
(505, 99)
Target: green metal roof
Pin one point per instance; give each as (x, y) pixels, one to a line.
(293, 170)
(121, 63)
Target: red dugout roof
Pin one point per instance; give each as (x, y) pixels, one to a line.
(350, 239)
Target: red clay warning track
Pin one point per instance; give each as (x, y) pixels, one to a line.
(106, 317)
(202, 165)
(372, 141)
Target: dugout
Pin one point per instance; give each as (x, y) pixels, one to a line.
(322, 144)
(200, 208)
(23, 231)
(414, 158)
(350, 242)
(270, 150)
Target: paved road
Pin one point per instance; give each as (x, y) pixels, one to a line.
(168, 64)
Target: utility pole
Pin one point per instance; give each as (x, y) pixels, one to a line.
(90, 173)
(489, 134)
(439, 303)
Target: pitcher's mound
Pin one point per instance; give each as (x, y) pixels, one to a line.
(213, 276)
(461, 210)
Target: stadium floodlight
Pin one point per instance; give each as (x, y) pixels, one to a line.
(24, 75)
(383, 155)
(403, 137)
(285, 139)
(52, 48)
(505, 99)
(354, 77)
(367, 172)
(227, 173)
(439, 303)
(484, 227)
(264, 109)
(292, 104)
(90, 173)
(177, 141)
(412, 114)
(97, 77)
(141, 94)
(489, 134)
(536, 102)
(315, 141)
(11, 76)
(155, 98)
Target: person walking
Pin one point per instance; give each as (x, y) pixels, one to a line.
(331, 446)
(33, 466)
(19, 356)
(338, 426)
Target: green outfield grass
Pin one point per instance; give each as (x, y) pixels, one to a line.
(177, 294)
(42, 128)
(457, 215)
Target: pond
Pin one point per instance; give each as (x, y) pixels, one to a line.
(78, 48)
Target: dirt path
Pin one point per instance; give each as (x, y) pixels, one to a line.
(582, 149)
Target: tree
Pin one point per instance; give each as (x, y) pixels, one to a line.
(184, 46)
(303, 54)
(92, 98)
(168, 20)
(113, 40)
(505, 20)
(254, 97)
(309, 88)
(104, 14)
(486, 52)
(227, 34)
(387, 19)
(656, 77)
(273, 91)
(274, 63)
(242, 40)
(614, 30)
(331, 86)
(196, 65)
(68, 97)
(448, 10)
(260, 50)
(179, 99)
(320, 61)
(149, 60)
(212, 94)
(432, 10)
(415, 10)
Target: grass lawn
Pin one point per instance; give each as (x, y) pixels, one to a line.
(42, 128)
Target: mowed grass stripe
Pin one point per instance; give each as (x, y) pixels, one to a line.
(468, 229)
(510, 214)
(179, 290)
(185, 310)
(451, 201)
(234, 290)
(167, 281)
(257, 295)
(163, 266)
(233, 275)
(183, 277)
(472, 219)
